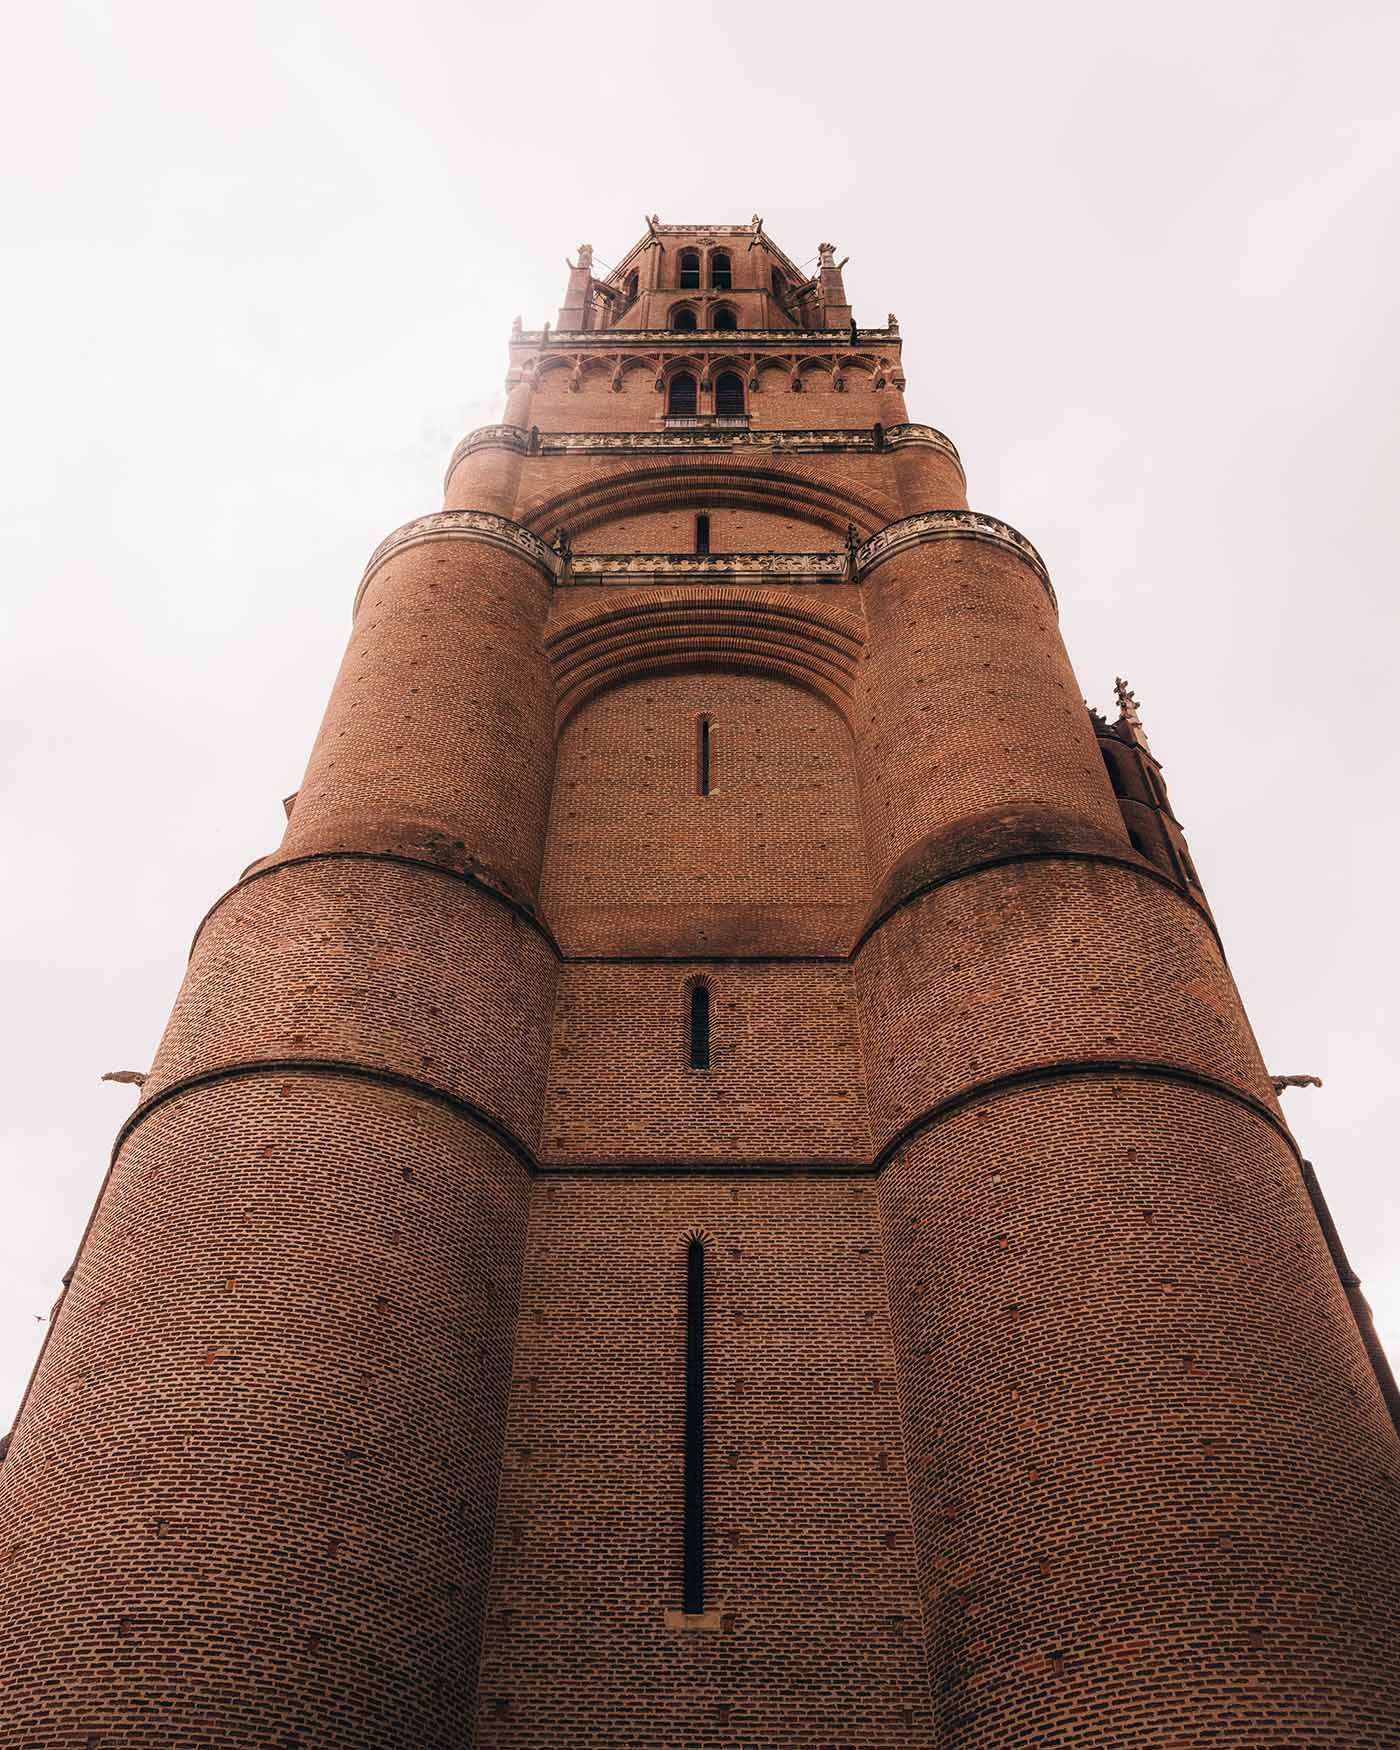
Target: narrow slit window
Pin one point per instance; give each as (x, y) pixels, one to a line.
(702, 533)
(699, 1026)
(693, 1535)
(704, 754)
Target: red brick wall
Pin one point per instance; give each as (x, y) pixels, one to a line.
(732, 530)
(808, 1554)
(773, 859)
(423, 750)
(251, 1500)
(1153, 1480)
(784, 1084)
(970, 716)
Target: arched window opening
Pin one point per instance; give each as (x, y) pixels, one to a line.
(704, 740)
(683, 321)
(1111, 765)
(629, 288)
(721, 275)
(729, 394)
(702, 532)
(690, 270)
(682, 394)
(778, 283)
(699, 1026)
(725, 320)
(693, 1530)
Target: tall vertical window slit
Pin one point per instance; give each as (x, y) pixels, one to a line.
(702, 533)
(693, 1586)
(704, 756)
(699, 1026)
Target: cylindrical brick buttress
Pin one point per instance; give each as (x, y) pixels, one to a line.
(1152, 1475)
(251, 1496)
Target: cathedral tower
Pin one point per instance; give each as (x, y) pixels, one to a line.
(716, 1189)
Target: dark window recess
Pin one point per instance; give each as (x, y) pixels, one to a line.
(629, 288)
(681, 394)
(690, 270)
(729, 395)
(700, 1026)
(778, 284)
(702, 533)
(683, 321)
(704, 758)
(721, 275)
(693, 1578)
(725, 320)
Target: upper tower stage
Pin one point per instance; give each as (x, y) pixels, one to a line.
(706, 279)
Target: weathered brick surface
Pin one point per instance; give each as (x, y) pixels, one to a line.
(252, 1496)
(808, 1549)
(439, 736)
(1036, 1412)
(1154, 1484)
(772, 860)
(785, 1082)
(428, 978)
(1043, 962)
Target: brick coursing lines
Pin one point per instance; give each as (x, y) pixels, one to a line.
(752, 629)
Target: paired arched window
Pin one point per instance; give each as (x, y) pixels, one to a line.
(729, 395)
(721, 275)
(683, 321)
(682, 394)
(690, 270)
(725, 319)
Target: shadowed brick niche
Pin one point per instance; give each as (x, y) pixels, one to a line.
(716, 1189)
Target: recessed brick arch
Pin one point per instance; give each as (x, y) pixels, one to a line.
(755, 630)
(783, 492)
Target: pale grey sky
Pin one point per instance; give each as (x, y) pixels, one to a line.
(260, 263)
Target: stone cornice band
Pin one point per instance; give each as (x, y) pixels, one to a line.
(886, 543)
(571, 339)
(701, 438)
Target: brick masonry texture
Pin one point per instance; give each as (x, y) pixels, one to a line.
(251, 1501)
(808, 1545)
(1036, 1410)
(773, 857)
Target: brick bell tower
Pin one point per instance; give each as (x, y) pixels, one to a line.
(716, 1189)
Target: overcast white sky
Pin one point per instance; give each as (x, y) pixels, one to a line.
(260, 263)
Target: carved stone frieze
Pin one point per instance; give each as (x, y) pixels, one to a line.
(698, 438)
(937, 525)
(690, 338)
(595, 568)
